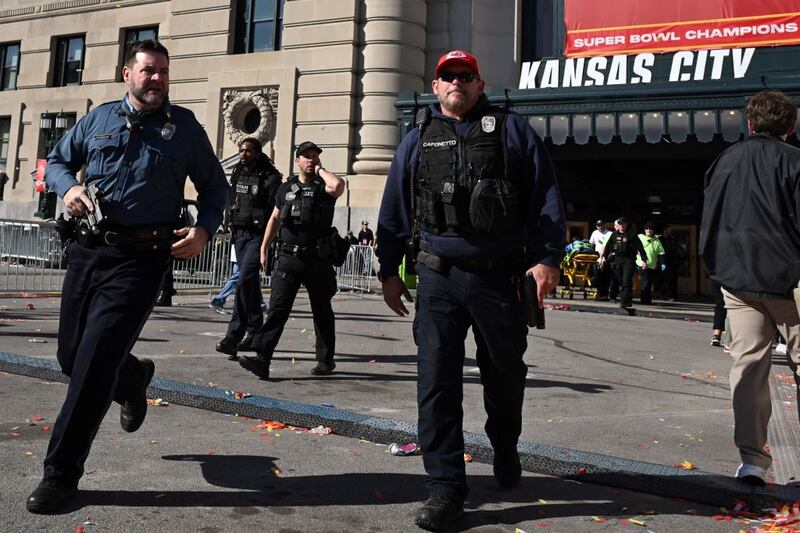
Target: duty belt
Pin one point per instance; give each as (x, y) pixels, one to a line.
(131, 238)
(297, 250)
(429, 258)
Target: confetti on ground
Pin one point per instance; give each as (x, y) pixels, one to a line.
(637, 522)
(276, 471)
(321, 430)
(468, 458)
(600, 519)
(372, 361)
(158, 402)
(686, 465)
(581, 471)
(30, 307)
(239, 395)
(37, 341)
(270, 425)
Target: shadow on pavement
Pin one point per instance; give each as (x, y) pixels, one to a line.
(256, 485)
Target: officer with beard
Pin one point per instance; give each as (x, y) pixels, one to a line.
(254, 182)
(138, 151)
(302, 221)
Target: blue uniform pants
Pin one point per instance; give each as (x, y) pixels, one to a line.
(247, 317)
(107, 296)
(320, 280)
(447, 305)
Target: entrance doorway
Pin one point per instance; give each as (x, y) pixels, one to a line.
(662, 183)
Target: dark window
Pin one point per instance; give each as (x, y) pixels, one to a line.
(5, 138)
(259, 25)
(134, 35)
(539, 29)
(68, 65)
(9, 66)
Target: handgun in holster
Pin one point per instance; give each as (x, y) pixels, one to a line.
(65, 230)
(534, 313)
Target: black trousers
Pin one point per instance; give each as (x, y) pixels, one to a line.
(319, 279)
(107, 296)
(247, 317)
(623, 268)
(448, 304)
(647, 277)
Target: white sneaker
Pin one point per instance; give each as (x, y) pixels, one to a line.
(780, 349)
(752, 474)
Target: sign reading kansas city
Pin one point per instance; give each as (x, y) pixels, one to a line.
(600, 71)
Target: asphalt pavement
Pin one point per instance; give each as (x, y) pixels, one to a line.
(604, 388)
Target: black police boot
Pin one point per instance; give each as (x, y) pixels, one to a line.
(440, 513)
(50, 496)
(507, 469)
(256, 365)
(247, 344)
(133, 411)
(229, 346)
(164, 299)
(323, 369)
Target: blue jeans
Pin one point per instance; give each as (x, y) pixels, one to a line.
(229, 288)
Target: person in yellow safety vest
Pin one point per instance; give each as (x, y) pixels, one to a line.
(655, 252)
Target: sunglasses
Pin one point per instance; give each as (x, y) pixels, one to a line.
(463, 77)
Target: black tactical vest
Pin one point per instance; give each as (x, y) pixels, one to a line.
(307, 207)
(251, 201)
(465, 185)
(623, 245)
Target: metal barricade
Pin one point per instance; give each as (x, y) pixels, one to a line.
(31, 260)
(356, 272)
(30, 256)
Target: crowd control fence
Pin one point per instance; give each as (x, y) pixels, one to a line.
(31, 260)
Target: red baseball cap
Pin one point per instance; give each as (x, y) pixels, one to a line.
(458, 57)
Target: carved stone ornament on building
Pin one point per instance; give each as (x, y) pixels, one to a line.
(237, 104)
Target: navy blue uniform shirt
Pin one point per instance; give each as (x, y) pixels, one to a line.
(542, 234)
(142, 174)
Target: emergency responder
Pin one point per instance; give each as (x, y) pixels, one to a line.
(488, 208)
(621, 249)
(302, 219)
(139, 152)
(254, 182)
(648, 271)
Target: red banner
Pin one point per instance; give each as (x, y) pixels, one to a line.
(610, 27)
(41, 165)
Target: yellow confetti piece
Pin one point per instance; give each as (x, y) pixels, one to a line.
(542, 501)
(181, 351)
(275, 470)
(292, 360)
(29, 454)
(637, 522)
(686, 465)
(518, 530)
(599, 519)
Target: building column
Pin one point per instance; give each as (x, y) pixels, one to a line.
(391, 60)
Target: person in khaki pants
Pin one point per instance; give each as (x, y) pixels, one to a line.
(750, 240)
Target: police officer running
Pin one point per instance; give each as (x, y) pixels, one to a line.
(254, 182)
(302, 220)
(488, 208)
(621, 249)
(138, 151)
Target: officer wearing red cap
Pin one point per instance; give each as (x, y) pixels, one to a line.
(476, 185)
